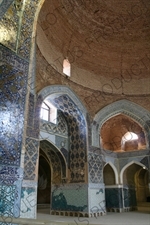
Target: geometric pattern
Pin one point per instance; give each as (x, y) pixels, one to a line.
(11, 26)
(30, 160)
(7, 197)
(56, 160)
(12, 103)
(4, 6)
(77, 136)
(33, 118)
(10, 174)
(60, 127)
(26, 31)
(95, 168)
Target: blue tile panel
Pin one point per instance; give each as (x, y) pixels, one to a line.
(30, 160)
(129, 197)
(77, 134)
(70, 198)
(114, 198)
(13, 82)
(7, 199)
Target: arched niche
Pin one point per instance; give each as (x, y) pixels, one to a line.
(141, 182)
(54, 156)
(110, 174)
(121, 133)
(136, 163)
(137, 113)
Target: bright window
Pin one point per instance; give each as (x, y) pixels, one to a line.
(48, 112)
(66, 67)
(129, 136)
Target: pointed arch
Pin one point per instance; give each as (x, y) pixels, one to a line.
(75, 114)
(126, 166)
(48, 146)
(114, 169)
(128, 108)
(58, 90)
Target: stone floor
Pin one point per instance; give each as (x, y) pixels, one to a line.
(126, 218)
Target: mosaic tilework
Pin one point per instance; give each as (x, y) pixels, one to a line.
(77, 134)
(30, 161)
(56, 159)
(27, 28)
(9, 175)
(62, 144)
(95, 168)
(60, 130)
(28, 202)
(7, 198)
(4, 6)
(60, 127)
(13, 78)
(33, 122)
(9, 28)
(70, 198)
(114, 198)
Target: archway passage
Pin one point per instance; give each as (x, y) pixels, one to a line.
(52, 168)
(142, 190)
(119, 132)
(111, 196)
(135, 182)
(44, 181)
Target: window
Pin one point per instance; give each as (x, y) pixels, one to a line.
(66, 67)
(45, 112)
(48, 112)
(129, 136)
(129, 141)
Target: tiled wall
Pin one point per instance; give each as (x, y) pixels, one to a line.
(71, 197)
(13, 80)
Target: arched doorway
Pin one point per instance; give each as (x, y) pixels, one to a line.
(110, 180)
(135, 183)
(142, 189)
(51, 172)
(44, 182)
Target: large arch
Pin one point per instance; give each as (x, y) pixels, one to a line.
(57, 90)
(128, 108)
(126, 166)
(75, 114)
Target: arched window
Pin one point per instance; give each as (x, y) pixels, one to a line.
(66, 67)
(48, 112)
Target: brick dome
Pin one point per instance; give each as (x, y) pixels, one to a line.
(106, 42)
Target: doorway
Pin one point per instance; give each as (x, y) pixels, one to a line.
(44, 182)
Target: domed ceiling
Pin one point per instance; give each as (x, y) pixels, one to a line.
(106, 42)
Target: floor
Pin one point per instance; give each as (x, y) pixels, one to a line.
(126, 218)
(43, 218)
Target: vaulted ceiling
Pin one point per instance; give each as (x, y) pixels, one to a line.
(106, 42)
